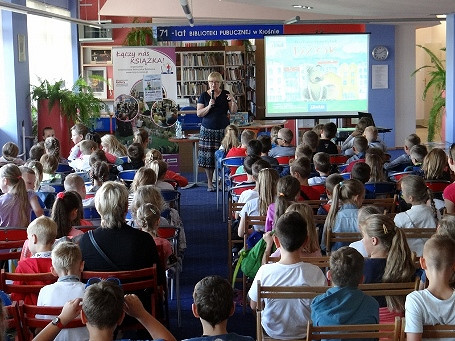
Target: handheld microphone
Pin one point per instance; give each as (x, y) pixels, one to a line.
(213, 94)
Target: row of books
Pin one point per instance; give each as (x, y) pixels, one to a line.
(234, 58)
(198, 74)
(203, 59)
(234, 74)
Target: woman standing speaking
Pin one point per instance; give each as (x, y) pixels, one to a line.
(213, 106)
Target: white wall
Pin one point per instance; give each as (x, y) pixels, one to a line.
(405, 90)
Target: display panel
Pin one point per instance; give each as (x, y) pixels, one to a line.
(311, 76)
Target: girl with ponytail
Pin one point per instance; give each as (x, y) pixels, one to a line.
(347, 198)
(389, 261)
(16, 203)
(287, 192)
(420, 215)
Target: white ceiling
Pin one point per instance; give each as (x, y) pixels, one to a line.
(274, 11)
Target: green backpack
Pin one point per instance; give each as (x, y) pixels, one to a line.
(251, 260)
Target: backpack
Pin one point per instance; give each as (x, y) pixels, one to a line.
(251, 260)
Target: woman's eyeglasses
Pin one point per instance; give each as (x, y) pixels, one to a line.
(94, 280)
(214, 82)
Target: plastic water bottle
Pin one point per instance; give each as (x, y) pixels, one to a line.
(178, 130)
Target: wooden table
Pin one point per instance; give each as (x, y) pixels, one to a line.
(194, 141)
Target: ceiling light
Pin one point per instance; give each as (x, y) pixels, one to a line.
(297, 6)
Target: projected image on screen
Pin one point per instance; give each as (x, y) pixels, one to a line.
(316, 75)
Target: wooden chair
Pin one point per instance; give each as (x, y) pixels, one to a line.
(11, 251)
(322, 262)
(387, 204)
(421, 233)
(439, 331)
(386, 331)
(281, 292)
(389, 289)
(250, 222)
(134, 281)
(315, 204)
(13, 322)
(233, 208)
(340, 237)
(29, 283)
(30, 321)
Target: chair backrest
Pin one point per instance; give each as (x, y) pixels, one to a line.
(346, 176)
(424, 233)
(437, 186)
(381, 188)
(238, 178)
(172, 197)
(30, 321)
(387, 204)
(132, 281)
(384, 331)
(389, 289)
(12, 249)
(36, 280)
(252, 220)
(340, 237)
(315, 204)
(231, 163)
(398, 175)
(13, 321)
(283, 160)
(86, 228)
(281, 292)
(320, 188)
(64, 168)
(321, 262)
(127, 175)
(338, 159)
(90, 213)
(439, 331)
(239, 189)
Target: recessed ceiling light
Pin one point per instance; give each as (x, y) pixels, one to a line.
(297, 6)
(302, 6)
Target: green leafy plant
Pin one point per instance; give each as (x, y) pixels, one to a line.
(78, 104)
(437, 82)
(139, 36)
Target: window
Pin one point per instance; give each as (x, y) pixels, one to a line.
(49, 46)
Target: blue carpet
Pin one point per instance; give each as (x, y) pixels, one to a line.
(206, 254)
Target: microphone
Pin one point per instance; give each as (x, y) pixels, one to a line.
(213, 94)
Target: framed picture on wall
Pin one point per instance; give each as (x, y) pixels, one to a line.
(101, 56)
(96, 79)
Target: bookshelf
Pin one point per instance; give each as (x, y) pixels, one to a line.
(194, 64)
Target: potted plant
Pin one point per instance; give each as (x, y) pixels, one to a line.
(436, 82)
(60, 108)
(139, 36)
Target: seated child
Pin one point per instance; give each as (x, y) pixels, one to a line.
(254, 149)
(9, 154)
(417, 155)
(213, 304)
(153, 155)
(99, 174)
(359, 147)
(330, 183)
(274, 135)
(160, 168)
(110, 158)
(141, 136)
(246, 168)
(362, 172)
(245, 137)
(376, 164)
(401, 162)
(435, 165)
(364, 213)
(52, 147)
(148, 220)
(329, 131)
(321, 161)
(48, 132)
(78, 132)
(345, 303)
(103, 308)
(346, 147)
(284, 147)
(300, 169)
(266, 143)
(36, 151)
(371, 134)
(67, 264)
(135, 157)
(41, 236)
(435, 304)
(311, 139)
(111, 145)
(74, 182)
(50, 165)
(252, 172)
(82, 163)
(291, 236)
